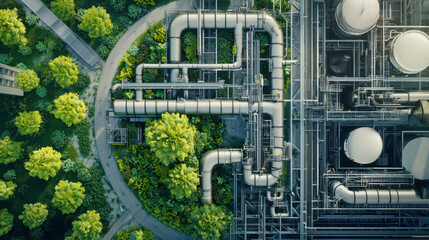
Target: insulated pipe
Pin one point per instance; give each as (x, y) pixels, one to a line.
(274, 214)
(280, 197)
(227, 107)
(211, 159)
(376, 196)
(410, 97)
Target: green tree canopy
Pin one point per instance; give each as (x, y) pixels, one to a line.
(145, 3)
(209, 221)
(171, 137)
(64, 9)
(27, 80)
(6, 189)
(68, 196)
(6, 222)
(34, 215)
(64, 71)
(96, 21)
(88, 227)
(69, 109)
(182, 181)
(44, 163)
(10, 151)
(28, 122)
(12, 29)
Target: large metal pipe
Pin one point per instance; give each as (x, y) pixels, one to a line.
(225, 107)
(211, 159)
(376, 196)
(410, 97)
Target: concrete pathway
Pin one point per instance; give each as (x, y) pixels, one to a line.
(77, 46)
(102, 105)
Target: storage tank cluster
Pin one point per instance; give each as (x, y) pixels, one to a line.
(415, 158)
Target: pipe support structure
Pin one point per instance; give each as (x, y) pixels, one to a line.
(209, 160)
(375, 196)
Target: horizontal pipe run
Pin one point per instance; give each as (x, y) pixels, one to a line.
(410, 97)
(376, 196)
(209, 160)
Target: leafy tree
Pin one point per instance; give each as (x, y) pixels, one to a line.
(134, 11)
(64, 71)
(209, 221)
(27, 80)
(96, 21)
(44, 163)
(145, 3)
(182, 181)
(69, 109)
(12, 29)
(88, 227)
(24, 50)
(68, 196)
(79, 14)
(34, 215)
(6, 222)
(159, 35)
(6, 189)
(171, 138)
(135, 232)
(28, 122)
(10, 151)
(64, 9)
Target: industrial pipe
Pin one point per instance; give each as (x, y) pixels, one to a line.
(211, 159)
(376, 196)
(410, 97)
(226, 107)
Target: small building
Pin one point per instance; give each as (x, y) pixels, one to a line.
(7, 81)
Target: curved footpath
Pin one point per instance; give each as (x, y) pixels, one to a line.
(134, 207)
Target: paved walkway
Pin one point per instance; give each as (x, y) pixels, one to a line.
(101, 122)
(84, 52)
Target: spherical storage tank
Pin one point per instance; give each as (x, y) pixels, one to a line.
(363, 145)
(415, 157)
(409, 52)
(356, 17)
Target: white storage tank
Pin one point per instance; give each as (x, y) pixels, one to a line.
(363, 145)
(356, 17)
(409, 52)
(415, 157)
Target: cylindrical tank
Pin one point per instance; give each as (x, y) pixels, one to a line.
(415, 157)
(356, 17)
(363, 145)
(409, 52)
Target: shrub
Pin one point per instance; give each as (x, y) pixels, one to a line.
(41, 46)
(21, 66)
(118, 5)
(134, 11)
(31, 19)
(5, 58)
(41, 91)
(145, 3)
(82, 131)
(82, 83)
(58, 139)
(69, 166)
(133, 50)
(80, 14)
(103, 51)
(109, 41)
(24, 50)
(9, 175)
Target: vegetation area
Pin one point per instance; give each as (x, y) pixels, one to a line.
(134, 233)
(101, 23)
(40, 168)
(163, 172)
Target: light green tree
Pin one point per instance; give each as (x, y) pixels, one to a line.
(64, 71)
(171, 138)
(69, 109)
(10, 151)
(182, 181)
(96, 21)
(27, 80)
(209, 221)
(64, 9)
(6, 222)
(6, 189)
(145, 3)
(12, 29)
(34, 215)
(28, 122)
(68, 196)
(88, 227)
(44, 163)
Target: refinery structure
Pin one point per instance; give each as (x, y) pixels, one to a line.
(349, 132)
